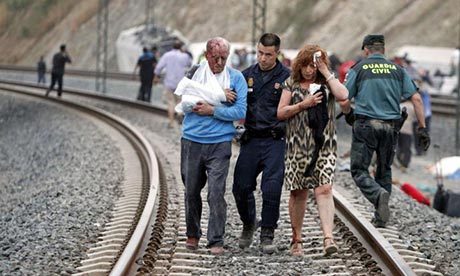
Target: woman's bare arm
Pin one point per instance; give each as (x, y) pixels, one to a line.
(286, 111)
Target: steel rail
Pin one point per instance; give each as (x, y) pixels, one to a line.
(91, 94)
(150, 171)
(74, 72)
(388, 259)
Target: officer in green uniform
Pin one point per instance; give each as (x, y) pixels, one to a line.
(378, 85)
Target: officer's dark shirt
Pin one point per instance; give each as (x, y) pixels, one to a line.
(59, 61)
(147, 64)
(264, 93)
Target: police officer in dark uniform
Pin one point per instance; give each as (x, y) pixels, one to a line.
(378, 85)
(262, 145)
(146, 63)
(57, 72)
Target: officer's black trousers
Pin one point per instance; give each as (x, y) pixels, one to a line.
(145, 91)
(369, 137)
(258, 155)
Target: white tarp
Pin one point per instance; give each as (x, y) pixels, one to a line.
(447, 166)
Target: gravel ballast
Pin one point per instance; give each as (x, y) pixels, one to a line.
(422, 228)
(58, 179)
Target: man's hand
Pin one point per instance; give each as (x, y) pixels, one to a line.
(156, 80)
(423, 138)
(230, 95)
(203, 109)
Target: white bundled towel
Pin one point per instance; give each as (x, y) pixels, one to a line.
(204, 86)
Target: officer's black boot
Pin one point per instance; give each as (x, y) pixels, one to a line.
(266, 240)
(246, 235)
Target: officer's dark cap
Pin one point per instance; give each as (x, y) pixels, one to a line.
(373, 39)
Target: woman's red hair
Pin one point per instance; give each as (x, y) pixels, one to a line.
(305, 57)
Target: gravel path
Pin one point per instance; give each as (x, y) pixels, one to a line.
(51, 169)
(442, 246)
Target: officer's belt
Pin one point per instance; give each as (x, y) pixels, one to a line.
(265, 133)
(364, 117)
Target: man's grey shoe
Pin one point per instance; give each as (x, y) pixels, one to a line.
(267, 246)
(382, 206)
(246, 236)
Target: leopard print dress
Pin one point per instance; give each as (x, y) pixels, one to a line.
(300, 145)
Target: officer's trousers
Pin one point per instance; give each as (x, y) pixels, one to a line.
(372, 136)
(145, 91)
(258, 155)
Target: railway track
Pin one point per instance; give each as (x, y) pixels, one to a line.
(445, 105)
(363, 250)
(124, 235)
(73, 72)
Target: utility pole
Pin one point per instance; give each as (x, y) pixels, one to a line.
(101, 55)
(457, 122)
(147, 15)
(259, 9)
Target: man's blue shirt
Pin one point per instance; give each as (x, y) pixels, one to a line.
(219, 127)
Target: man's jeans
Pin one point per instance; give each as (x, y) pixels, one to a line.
(264, 155)
(201, 163)
(369, 136)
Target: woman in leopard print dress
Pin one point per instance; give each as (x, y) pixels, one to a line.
(308, 105)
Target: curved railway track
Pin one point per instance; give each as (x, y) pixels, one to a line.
(73, 72)
(445, 105)
(124, 235)
(364, 250)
